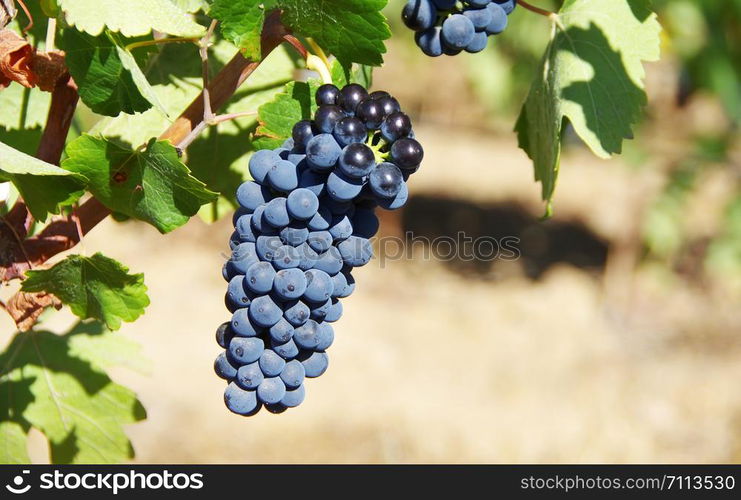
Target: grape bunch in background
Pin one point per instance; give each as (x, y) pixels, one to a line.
(450, 26)
(304, 222)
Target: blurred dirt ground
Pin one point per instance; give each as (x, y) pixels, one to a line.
(434, 365)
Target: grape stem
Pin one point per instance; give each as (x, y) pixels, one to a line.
(318, 62)
(28, 15)
(159, 41)
(537, 10)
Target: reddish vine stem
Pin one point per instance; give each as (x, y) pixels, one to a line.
(537, 10)
(296, 44)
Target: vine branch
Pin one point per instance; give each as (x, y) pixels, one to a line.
(537, 10)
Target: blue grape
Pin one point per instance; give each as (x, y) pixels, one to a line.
(282, 331)
(339, 282)
(343, 188)
(334, 313)
(302, 133)
(288, 144)
(239, 212)
(227, 272)
(327, 117)
(224, 334)
(271, 364)
(330, 261)
(507, 5)
(430, 41)
(498, 21)
(257, 221)
(365, 223)
(250, 376)
(293, 374)
(264, 311)
(276, 213)
(319, 310)
(313, 181)
(245, 350)
(286, 350)
(240, 401)
(389, 104)
(327, 94)
(419, 14)
(236, 295)
(243, 326)
(286, 257)
(397, 201)
(298, 159)
(260, 164)
(224, 368)
(293, 397)
(296, 313)
(350, 130)
(350, 96)
(290, 284)
(271, 390)
(251, 195)
(326, 333)
(321, 220)
(319, 286)
(356, 161)
(243, 257)
(302, 204)
(341, 227)
(245, 233)
(385, 180)
(306, 336)
(260, 276)
(457, 31)
(234, 241)
(319, 241)
(480, 17)
(266, 246)
(355, 251)
(315, 363)
(394, 127)
(370, 112)
(308, 257)
(349, 288)
(283, 176)
(322, 152)
(407, 153)
(294, 234)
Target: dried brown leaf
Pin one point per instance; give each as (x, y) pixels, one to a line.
(16, 57)
(25, 308)
(49, 67)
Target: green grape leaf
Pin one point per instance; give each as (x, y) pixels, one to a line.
(55, 384)
(191, 6)
(21, 107)
(352, 30)
(130, 18)
(277, 118)
(44, 187)
(241, 23)
(591, 75)
(149, 184)
(108, 78)
(93, 287)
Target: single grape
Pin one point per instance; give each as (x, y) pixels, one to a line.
(389, 105)
(293, 374)
(385, 180)
(356, 251)
(339, 282)
(327, 94)
(245, 350)
(276, 213)
(306, 336)
(419, 14)
(307, 256)
(315, 363)
(243, 326)
(286, 350)
(350, 130)
(240, 401)
(333, 314)
(295, 233)
(313, 181)
(302, 204)
(394, 127)
(319, 241)
(271, 364)
(397, 201)
(234, 240)
(507, 5)
(286, 257)
(319, 286)
(258, 223)
(322, 152)
(498, 21)
(407, 153)
(350, 288)
(236, 295)
(251, 195)
(302, 133)
(283, 176)
(293, 397)
(319, 310)
(266, 246)
(321, 220)
(239, 212)
(326, 333)
(342, 187)
(365, 223)
(224, 368)
(341, 227)
(326, 118)
(480, 17)
(478, 43)
(378, 94)
(370, 112)
(264, 311)
(296, 313)
(330, 261)
(457, 31)
(282, 331)
(350, 96)
(260, 164)
(271, 390)
(290, 284)
(357, 160)
(245, 233)
(243, 257)
(224, 334)
(250, 376)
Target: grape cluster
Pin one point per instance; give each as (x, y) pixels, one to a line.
(452, 26)
(304, 222)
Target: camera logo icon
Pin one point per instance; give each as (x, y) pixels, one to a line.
(17, 487)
